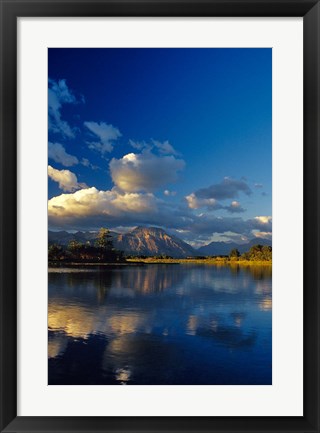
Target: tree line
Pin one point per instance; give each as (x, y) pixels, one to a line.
(101, 251)
(256, 253)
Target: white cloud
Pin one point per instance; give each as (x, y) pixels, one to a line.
(195, 203)
(86, 163)
(262, 235)
(90, 208)
(166, 148)
(163, 148)
(106, 133)
(139, 145)
(66, 179)
(169, 193)
(58, 153)
(235, 207)
(263, 219)
(99, 205)
(59, 94)
(144, 171)
(91, 201)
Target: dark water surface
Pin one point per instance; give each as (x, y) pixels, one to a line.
(160, 324)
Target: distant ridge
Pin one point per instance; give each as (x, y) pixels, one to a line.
(154, 241)
(224, 248)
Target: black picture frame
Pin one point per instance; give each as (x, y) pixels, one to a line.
(10, 11)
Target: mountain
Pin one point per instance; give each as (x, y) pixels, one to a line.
(217, 249)
(148, 241)
(224, 248)
(151, 241)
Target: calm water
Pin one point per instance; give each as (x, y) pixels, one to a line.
(160, 324)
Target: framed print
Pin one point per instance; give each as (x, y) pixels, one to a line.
(159, 216)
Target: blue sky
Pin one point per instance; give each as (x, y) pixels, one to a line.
(175, 138)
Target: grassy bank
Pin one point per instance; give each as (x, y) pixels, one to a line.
(153, 260)
(207, 261)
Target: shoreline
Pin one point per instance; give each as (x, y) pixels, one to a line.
(152, 261)
(217, 262)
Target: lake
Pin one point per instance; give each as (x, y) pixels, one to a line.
(158, 324)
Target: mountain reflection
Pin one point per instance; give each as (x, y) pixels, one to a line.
(168, 324)
(148, 279)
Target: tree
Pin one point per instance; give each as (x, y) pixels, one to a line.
(74, 250)
(102, 251)
(74, 246)
(104, 244)
(255, 252)
(258, 253)
(55, 252)
(104, 239)
(267, 253)
(245, 256)
(234, 253)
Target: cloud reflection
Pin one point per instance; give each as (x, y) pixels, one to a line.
(75, 321)
(57, 344)
(156, 324)
(266, 304)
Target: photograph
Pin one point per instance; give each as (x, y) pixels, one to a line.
(159, 216)
(153, 154)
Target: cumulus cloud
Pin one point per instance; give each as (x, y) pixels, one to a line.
(235, 207)
(263, 219)
(66, 179)
(107, 135)
(59, 94)
(58, 153)
(262, 235)
(195, 202)
(210, 204)
(228, 188)
(91, 206)
(144, 171)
